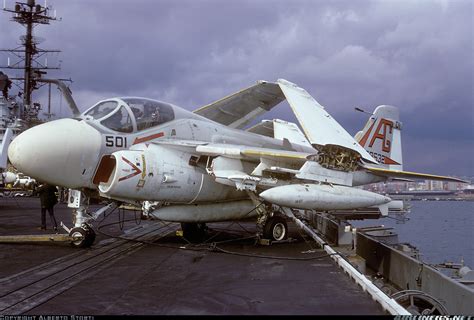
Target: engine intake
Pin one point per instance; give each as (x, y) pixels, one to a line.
(157, 173)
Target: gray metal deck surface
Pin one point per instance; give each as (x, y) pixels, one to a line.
(155, 280)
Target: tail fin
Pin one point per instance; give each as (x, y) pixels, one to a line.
(381, 137)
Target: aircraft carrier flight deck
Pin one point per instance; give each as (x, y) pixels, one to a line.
(162, 274)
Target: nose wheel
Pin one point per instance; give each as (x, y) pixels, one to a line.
(83, 237)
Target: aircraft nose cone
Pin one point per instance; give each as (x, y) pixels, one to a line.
(14, 152)
(62, 152)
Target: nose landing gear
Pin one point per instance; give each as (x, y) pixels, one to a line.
(83, 237)
(82, 233)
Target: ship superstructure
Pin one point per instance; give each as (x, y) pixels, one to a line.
(18, 110)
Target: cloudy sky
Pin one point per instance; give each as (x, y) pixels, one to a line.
(417, 55)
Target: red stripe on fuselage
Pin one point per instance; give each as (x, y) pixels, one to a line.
(148, 138)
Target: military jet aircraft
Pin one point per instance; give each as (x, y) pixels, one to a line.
(198, 167)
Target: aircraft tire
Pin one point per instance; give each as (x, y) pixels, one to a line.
(88, 237)
(276, 229)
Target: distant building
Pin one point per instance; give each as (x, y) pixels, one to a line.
(469, 189)
(434, 185)
(427, 185)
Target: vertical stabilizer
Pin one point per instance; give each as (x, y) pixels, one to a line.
(381, 137)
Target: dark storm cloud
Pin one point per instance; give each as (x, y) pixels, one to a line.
(414, 55)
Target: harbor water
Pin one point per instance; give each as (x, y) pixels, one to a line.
(442, 231)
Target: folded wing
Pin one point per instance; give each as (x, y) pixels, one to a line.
(238, 109)
(319, 126)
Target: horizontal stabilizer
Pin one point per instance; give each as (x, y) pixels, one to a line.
(412, 175)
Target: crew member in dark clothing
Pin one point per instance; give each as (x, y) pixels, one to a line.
(48, 198)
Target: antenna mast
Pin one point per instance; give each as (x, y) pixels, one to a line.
(29, 14)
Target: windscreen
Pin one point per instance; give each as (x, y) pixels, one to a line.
(149, 113)
(119, 121)
(102, 109)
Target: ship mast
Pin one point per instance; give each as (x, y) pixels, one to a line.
(29, 14)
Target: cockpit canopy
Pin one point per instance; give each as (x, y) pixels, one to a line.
(130, 114)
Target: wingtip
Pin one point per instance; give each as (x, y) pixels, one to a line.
(286, 82)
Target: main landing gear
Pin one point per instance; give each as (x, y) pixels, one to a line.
(275, 228)
(271, 224)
